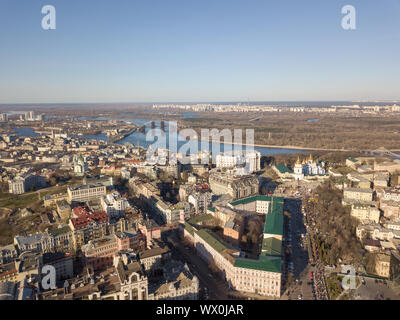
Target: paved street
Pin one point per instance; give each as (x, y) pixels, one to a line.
(217, 288)
(297, 261)
(375, 290)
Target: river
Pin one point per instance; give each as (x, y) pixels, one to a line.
(139, 137)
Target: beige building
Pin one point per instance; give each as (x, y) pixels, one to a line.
(390, 166)
(390, 194)
(86, 192)
(376, 232)
(151, 259)
(236, 186)
(352, 163)
(258, 276)
(126, 280)
(63, 209)
(50, 200)
(382, 265)
(365, 212)
(63, 239)
(358, 194)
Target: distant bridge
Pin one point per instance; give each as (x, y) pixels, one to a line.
(142, 129)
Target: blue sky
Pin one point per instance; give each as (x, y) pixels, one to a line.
(198, 50)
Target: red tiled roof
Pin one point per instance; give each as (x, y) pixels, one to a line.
(84, 217)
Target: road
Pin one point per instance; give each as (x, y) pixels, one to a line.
(218, 290)
(373, 290)
(298, 260)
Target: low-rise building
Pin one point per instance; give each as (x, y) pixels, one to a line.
(236, 186)
(150, 229)
(152, 258)
(99, 254)
(389, 166)
(260, 276)
(40, 242)
(26, 182)
(200, 201)
(87, 225)
(63, 209)
(365, 212)
(352, 163)
(62, 262)
(361, 194)
(85, 193)
(114, 204)
(62, 238)
(390, 194)
(376, 232)
(382, 265)
(51, 200)
(179, 283)
(283, 171)
(8, 253)
(391, 209)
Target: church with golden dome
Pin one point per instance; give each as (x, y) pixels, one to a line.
(308, 167)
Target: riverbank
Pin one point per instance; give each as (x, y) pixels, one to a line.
(270, 146)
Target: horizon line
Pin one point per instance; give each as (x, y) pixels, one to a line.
(198, 102)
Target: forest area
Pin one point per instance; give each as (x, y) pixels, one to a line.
(336, 237)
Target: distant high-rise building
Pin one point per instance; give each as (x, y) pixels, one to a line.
(29, 116)
(250, 159)
(3, 117)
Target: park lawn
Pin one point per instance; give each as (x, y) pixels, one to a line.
(6, 232)
(19, 201)
(334, 286)
(57, 190)
(23, 226)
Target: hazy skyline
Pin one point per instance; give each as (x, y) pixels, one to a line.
(185, 51)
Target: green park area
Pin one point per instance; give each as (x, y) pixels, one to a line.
(18, 201)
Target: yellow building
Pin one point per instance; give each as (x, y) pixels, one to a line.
(362, 194)
(365, 212)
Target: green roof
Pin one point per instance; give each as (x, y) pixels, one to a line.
(213, 240)
(211, 209)
(272, 246)
(189, 228)
(58, 231)
(270, 258)
(352, 159)
(264, 263)
(274, 219)
(251, 199)
(200, 218)
(283, 169)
